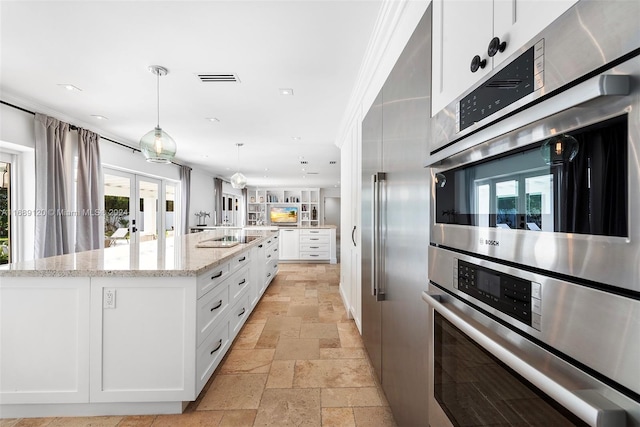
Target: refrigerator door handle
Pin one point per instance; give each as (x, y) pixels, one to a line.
(377, 209)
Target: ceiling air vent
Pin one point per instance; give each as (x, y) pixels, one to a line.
(313, 173)
(218, 78)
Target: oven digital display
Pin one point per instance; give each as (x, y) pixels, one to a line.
(488, 282)
(508, 294)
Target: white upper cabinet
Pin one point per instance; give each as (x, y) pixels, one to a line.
(463, 29)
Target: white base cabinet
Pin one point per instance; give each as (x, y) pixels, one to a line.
(308, 244)
(122, 345)
(44, 340)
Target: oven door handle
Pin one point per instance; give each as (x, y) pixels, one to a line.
(588, 405)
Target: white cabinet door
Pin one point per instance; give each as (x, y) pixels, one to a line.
(289, 244)
(143, 345)
(461, 30)
(44, 340)
(518, 21)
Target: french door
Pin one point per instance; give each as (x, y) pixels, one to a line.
(139, 210)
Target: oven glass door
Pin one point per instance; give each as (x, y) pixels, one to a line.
(569, 183)
(474, 388)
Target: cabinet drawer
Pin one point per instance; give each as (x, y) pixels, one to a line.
(314, 247)
(320, 232)
(238, 283)
(210, 353)
(271, 254)
(270, 270)
(239, 261)
(317, 238)
(212, 278)
(239, 314)
(211, 308)
(315, 255)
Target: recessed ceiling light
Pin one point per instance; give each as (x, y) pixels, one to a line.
(296, 138)
(212, 119)
(99, 117)
(285, 91)
(266, 169)
(70, 87)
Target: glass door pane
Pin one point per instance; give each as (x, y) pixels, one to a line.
(148, 214)
(118, 205)
(507, 204)
(5, 213)
(539, 202)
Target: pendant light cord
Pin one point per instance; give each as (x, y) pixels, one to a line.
(158, 92)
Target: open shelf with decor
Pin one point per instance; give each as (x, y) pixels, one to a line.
(294, 207)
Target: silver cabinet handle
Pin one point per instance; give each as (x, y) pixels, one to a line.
(377, 258)
(588, 405)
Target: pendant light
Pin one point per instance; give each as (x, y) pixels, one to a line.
(237, 179)
(157, 146)
(559, 149)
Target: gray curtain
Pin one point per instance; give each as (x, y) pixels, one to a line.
(54, 230)
(217, 201)
(90, 193)
(185, 195)
(245, 199)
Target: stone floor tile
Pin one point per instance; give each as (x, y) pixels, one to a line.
(309, 313)
(281, 374)
(318, 330)
(288, 327)
(342, 353)
(192, 419)
(349, 335)
(248, 336)
(242, 361)
(31, 422)
(333, 373)
(289, 407)
(268, 339)
(137, 421)
(338, 417)
(234, 392)
(85, 422)
(238, 418)
(294, 349)
(348, 397)
(330, 343)
(374, 417)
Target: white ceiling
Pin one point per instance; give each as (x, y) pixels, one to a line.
(104, 48)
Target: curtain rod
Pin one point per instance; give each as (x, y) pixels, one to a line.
(74, 127)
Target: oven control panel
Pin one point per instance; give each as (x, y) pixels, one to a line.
(513, 296)
(515, 81)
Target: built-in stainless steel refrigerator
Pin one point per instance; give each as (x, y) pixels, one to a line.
(395, 224)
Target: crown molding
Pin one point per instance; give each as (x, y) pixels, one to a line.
(394, 26)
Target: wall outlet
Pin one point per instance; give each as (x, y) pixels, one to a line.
(109, 298)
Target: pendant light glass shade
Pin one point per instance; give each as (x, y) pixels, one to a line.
(238, 180)
(559, 149)
(156, 145)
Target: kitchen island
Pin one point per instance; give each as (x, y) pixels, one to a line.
(127, 330)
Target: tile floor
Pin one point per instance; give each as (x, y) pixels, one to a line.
(298, 361)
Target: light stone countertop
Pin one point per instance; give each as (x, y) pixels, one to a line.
(180, 257)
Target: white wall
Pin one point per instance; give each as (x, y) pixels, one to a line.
(201, 197)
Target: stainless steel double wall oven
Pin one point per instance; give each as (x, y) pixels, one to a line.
(534, 259)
